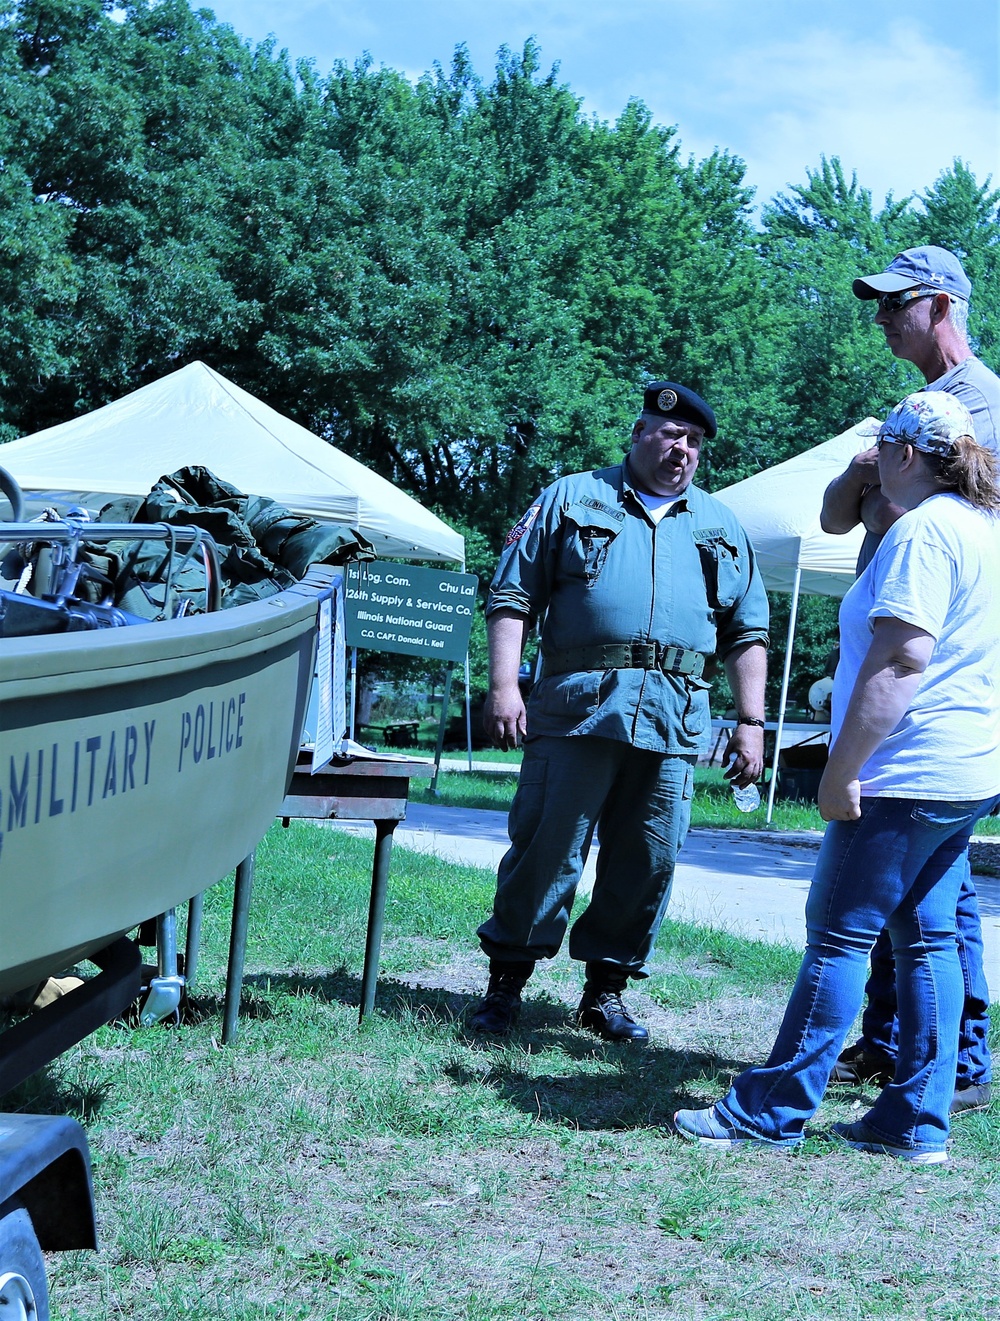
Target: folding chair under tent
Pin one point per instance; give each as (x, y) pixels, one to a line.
(780, 508)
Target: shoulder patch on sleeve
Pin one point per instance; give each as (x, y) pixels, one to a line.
(522, 525)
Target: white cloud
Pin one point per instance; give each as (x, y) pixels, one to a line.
(767, 80)
(897, 110)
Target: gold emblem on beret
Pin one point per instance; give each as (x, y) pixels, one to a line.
(666, 399)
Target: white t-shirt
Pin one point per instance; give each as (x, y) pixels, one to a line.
(657, 504)
(938, 568)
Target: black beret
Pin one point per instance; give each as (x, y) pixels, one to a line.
(668, 399)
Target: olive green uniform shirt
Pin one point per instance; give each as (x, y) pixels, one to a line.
(590, 557)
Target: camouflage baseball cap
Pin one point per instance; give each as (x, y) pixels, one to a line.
(930, 420)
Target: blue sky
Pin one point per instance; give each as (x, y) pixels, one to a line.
(897, 90)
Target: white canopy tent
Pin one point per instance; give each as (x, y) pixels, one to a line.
(196, 416)
(780, 508)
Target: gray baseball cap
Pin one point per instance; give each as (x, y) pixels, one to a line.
(918, 268)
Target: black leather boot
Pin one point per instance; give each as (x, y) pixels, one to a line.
(856, 1065)
(602, 1010)
(498, 1011)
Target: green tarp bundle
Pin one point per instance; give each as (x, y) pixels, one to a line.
(263, 547)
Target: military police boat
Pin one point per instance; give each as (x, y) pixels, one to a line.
(139, 761)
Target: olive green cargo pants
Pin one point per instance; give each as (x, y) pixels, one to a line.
(639, 802)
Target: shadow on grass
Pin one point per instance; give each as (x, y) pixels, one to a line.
(638, 1093)
(47, 1094)
(617, 1086)
(396, 999)
(335, 987)
(198, 1009)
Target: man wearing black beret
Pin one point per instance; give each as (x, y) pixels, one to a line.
(640, 577)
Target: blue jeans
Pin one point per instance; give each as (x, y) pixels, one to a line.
(639, 801)
(879, 1027)
(900, 866)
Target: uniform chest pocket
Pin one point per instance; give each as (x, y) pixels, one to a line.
(590, 534)
(720, 563)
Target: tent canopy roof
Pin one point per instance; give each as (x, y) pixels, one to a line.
(780, 507)
(196, 416)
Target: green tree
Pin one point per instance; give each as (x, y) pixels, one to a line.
(38, 284)
(963, 215)
(816, 241)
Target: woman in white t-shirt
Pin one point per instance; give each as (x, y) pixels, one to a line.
(914, 764)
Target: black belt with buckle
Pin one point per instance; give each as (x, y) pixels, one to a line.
(626, 656)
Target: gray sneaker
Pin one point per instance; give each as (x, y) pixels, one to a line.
(710, 1129)
(859, 1136)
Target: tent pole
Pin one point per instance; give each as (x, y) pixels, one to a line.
(468, 711)
(784, 692)
(354, 688)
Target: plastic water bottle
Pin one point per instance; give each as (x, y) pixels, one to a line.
(746, 799)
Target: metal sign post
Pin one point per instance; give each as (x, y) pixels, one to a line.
(417, 612)
(354, 692)
(441, 726)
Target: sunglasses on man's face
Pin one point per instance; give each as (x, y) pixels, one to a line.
(889, 440)
(893, 302)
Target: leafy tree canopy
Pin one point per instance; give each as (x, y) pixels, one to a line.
(463, 283)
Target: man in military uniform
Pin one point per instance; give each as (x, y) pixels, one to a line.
(923, 310)
(641, 577)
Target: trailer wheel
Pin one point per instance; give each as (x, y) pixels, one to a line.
(24, 1295)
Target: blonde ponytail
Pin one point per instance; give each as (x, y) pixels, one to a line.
(971, 471)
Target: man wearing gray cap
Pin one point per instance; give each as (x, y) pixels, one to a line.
(641, 577)
(923, 310)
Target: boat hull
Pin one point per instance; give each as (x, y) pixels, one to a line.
(139, 765)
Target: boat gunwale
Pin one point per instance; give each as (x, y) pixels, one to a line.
(247, 629)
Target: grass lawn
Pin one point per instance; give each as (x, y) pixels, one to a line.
(712, 806)
(401, 1172)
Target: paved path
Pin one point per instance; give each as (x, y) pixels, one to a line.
(741, 881)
